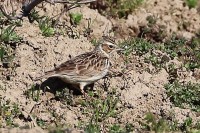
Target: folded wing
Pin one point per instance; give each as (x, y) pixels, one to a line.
(81, 67)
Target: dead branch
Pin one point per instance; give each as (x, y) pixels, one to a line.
(28, 6)
(71, 2)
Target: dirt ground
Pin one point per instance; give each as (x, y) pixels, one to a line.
(141, 92)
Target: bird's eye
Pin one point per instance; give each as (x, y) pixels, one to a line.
(111, 46)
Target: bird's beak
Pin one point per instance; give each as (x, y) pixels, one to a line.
(120, 50)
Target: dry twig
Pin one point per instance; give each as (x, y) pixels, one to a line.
(28, 6)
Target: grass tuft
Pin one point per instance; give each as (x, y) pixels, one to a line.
(99, 110)
(75, 18)
(8, 112)
(46, 27)
(117, 8)
(8, 34)
(184, 95)
(160, 125)
(191, 3)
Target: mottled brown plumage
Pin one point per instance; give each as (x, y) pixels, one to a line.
(86, 68)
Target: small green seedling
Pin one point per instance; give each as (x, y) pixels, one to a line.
(46, 27)
(8, 112)
(76, 18)
(8, 34)
(34, 16)
(192, 3)
(6, 56)
(99, 110)
(33, 92)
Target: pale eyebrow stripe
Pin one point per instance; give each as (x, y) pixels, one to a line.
(109, 39)
(109, 43)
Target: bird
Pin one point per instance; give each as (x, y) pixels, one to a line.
(86, 68)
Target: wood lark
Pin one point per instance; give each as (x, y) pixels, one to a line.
(86, 68)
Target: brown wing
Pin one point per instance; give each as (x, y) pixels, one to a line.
(85, 65)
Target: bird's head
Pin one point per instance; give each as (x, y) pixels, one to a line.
(107, 46)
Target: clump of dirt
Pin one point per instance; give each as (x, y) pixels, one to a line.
(169, 16)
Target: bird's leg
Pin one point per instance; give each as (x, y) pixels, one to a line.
(81, 88)
(82, 85)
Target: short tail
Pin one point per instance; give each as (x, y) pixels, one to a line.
(46, 75)
(40, 78)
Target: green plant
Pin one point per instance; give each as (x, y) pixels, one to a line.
(192, 64)
(92, 128)
(184, 95)
(33, 92)
(192, 3)
(146, 49)
(40, 123)
(175, 45)
(172, 72)
(192, 56)
(65, 96)
(155, 60)
(105, 108)
(56, 130)
(8, 34)
(94, 42)
(8, 112)
(34, 16)
(99, 110)
(141, 46)
(151, 20)
(189, 127)
(127, 6)
(118, 129)
(46, 24)
(187, 51)
(1, 16)
(152, 124)
(118, 8)
(46, 27)
(6, 55)
(160, 125)
(2, 53)
(76, 18)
